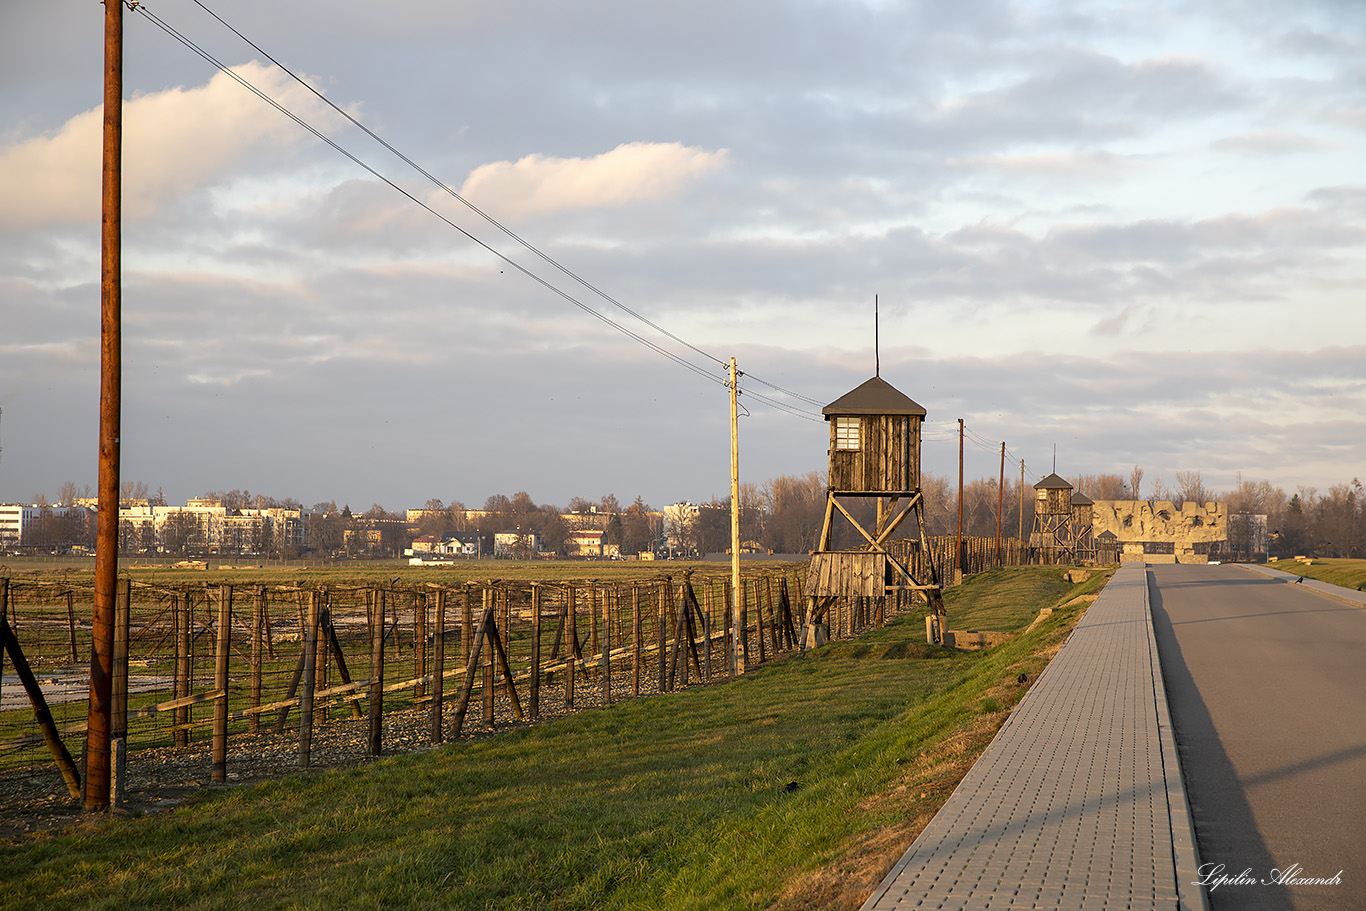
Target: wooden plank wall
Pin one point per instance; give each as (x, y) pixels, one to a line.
(888, 458)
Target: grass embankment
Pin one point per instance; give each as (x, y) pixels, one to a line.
(676, 801)
(1346, 573)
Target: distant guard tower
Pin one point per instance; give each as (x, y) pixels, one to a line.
(1052, 535)
(874, 452)
(1083, 520)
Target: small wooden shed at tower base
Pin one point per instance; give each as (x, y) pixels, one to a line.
(874, 452)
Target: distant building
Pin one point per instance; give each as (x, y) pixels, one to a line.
(585, 542)
(32, 525)
(1161, 532)
(516, 544)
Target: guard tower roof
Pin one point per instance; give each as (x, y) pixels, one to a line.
(1081, 499)
(1053, 482)
(876, 396)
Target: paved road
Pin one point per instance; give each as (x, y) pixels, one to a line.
(1267, 688)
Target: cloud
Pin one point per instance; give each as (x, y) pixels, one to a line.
(1271, 142)
(634, 172)
(1084, 163)
(174, 142)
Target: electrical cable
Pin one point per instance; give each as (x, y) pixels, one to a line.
(658, 349)
(446, 188)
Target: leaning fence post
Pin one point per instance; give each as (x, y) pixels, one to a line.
(10, 643)
(219, 766)
(71, 624)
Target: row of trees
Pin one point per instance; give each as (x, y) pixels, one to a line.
(782, 515)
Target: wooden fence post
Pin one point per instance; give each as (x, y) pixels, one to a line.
(420, 639)
(309, 682)
(118, 703)
(258, 622)
(218, 768)
(181, 716)
(706, 630)
(571, 646)
(375, 600)
(660, 631)
(534, 697)
(438, 665)
(490, 606)
(759, 618)
(593, 647)
(466, 624)
(635, 639)
(606, 661)
(744, 622)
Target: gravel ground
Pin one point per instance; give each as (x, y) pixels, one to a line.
(34, 798)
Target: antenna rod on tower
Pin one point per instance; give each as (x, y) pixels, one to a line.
(877, 352)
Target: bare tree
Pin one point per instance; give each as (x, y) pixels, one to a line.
(1190, 488)
(1135, 483)
(795, 507)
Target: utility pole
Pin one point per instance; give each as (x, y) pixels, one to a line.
(99, 719)
(1021, 500)
(1000, 503)
(958, 545)
(737, 652)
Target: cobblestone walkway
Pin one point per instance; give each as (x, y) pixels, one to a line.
(1078, 802)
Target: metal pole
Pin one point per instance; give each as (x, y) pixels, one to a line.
(97, 757)
(958, 544)
(738, 658)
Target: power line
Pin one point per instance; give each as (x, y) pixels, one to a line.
(658, 349)
(450, 191)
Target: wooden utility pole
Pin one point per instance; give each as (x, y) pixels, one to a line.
(737, 655)
(97, 755)
(1001, 504)
(958, 544)
(1022, 501)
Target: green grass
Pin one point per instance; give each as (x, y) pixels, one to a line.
(1346, 573)
(675, 801)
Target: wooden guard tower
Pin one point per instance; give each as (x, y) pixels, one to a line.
(874, 452)
(1052, 535)
(1083, 521)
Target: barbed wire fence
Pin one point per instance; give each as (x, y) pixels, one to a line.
(224, 665)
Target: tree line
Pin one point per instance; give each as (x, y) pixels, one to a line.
(781, 515)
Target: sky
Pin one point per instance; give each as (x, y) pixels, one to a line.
(1125, 233)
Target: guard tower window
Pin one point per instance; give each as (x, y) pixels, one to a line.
(846, 433)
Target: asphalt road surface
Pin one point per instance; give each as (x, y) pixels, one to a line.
(1267, 686)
